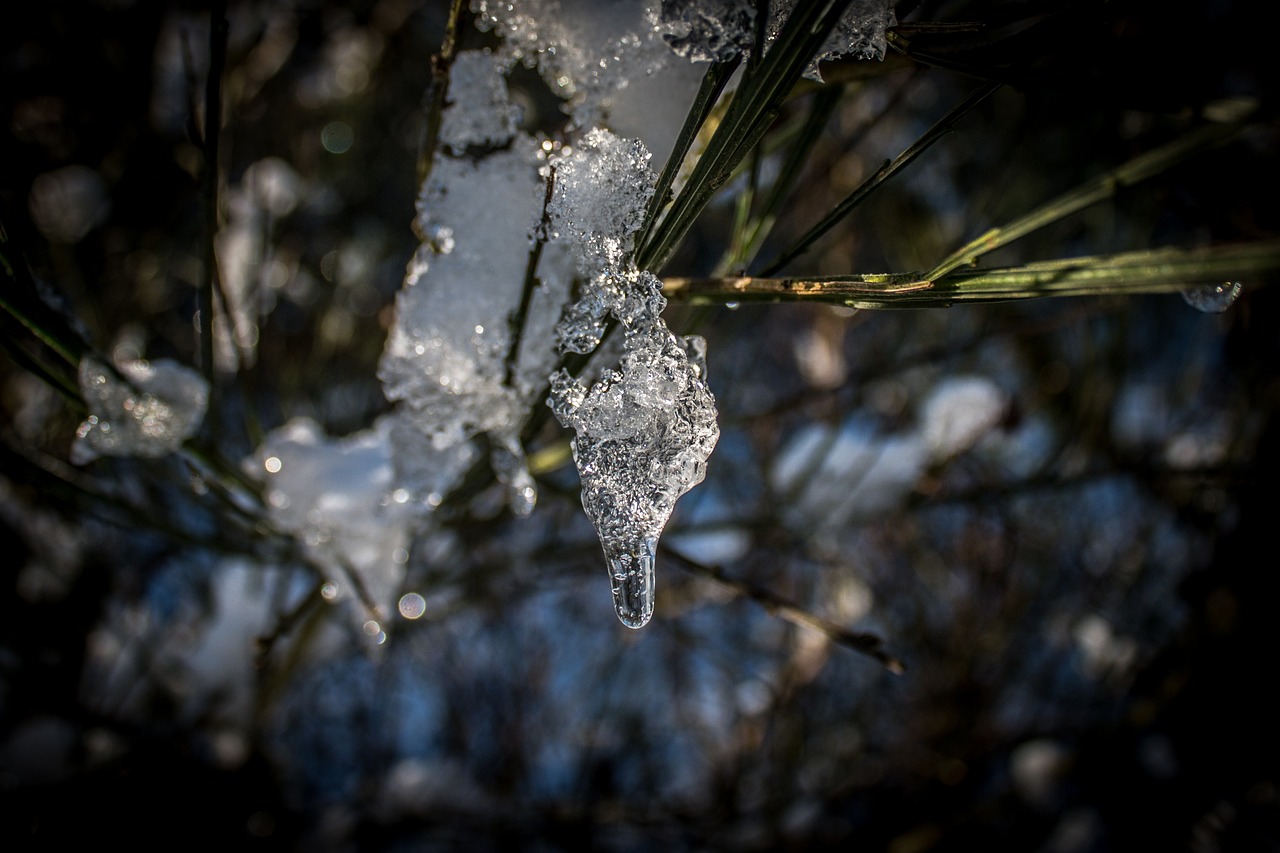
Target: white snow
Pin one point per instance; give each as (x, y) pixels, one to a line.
(832, 477)
(147, 408)
(355, 502)
(482, 114)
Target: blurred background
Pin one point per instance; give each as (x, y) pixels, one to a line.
(1056, 515)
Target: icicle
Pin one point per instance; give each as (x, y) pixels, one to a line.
(644, 432)
(631, 568)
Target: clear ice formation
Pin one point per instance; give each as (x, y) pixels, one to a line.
(719, 29)
(644, 430)
(1213, 298)
(643, 435)
(707, 30)
(859, 34)
(147, 408)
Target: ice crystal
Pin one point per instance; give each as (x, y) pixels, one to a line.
(707, 30)
(643, 435)
(859, 34)
(601, 191)
(719, 29)
(146, 408)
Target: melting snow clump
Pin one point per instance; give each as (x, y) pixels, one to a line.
(148, 408)
(349, 501)
(602, 189)
(456, 355)
(644, 432)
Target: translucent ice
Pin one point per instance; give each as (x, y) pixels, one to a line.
(607, 58)
(719, 29)
(708, 29)
(601, 191)
(860, 33)
(1212, 298)
(148, 408)
(643, 435)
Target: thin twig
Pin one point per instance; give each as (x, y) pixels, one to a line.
(861, 642)
(21, 300)
(284, 624)
(517, 321)
(218, 28)
(438, 90)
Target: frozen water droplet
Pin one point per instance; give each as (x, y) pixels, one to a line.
(1212, 298)
(631, 571)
